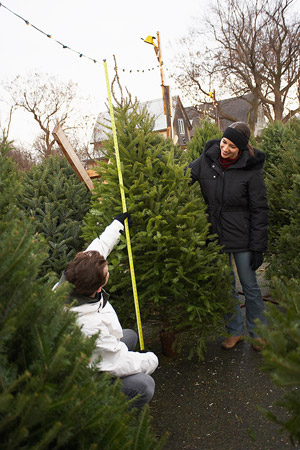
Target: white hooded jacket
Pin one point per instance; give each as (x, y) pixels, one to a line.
(110, 355)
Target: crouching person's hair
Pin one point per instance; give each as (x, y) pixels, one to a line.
(86, 272)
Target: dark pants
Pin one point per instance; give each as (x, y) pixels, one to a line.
(139, 384)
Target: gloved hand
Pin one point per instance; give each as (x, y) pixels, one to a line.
(256, 260)
(121, 218)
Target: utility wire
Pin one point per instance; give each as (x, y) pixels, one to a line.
(64, 46)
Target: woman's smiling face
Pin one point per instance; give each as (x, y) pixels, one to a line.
(228, 149)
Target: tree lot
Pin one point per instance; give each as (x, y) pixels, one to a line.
(155, 164)
(258, 52)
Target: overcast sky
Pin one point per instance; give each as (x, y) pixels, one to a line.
(98, 29)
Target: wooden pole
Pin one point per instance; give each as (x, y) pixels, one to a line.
(166, 110)
(161, 68)
(71, 156)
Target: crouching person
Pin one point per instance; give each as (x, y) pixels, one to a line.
(114, 352)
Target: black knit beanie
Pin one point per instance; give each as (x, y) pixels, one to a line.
(236, 137)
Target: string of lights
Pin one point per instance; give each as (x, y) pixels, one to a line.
(64, 46)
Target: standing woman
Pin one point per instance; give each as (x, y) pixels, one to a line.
(230, 174)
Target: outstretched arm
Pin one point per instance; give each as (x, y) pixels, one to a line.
(108, 239)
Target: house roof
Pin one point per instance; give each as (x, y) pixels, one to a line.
(199, 112)
(155, 108)
(237, 108)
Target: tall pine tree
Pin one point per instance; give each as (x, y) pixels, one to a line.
(277, 138)
(284, 260)
(182, 277)
(49, 397)
(283, 195)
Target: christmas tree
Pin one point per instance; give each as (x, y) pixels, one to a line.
(284, 261)
(283, 196)
(276, 138)
(49, 397)
(182, 277)
(58, 201)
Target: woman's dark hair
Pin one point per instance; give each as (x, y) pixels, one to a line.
(86, 272)
(243, 128)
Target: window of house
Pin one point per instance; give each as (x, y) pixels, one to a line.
(181, 126)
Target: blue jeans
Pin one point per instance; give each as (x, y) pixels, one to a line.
(253, 299)
(139, 384)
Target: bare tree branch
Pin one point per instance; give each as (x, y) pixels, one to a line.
(50, 102)
(255, 48)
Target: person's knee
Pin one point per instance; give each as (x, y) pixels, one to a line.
(140, 387)
(148, 388)
(145, 387)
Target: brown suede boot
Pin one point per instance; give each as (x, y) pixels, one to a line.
(258, 344)
(230, 342)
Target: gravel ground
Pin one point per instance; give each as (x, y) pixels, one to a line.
(212, 405)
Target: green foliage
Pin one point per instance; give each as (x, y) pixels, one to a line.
(276, 138)
(205, 132)
(279, 183)
(281, 355)
(57, 200)
(283, 195)
(181, 278)
(285, 257)
(272, 143)
(8, 178)
(49, 397)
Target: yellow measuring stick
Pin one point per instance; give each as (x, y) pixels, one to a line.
(133, 282)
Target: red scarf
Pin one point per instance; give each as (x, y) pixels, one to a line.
(226, 162)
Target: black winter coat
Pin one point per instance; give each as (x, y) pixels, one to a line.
(236, 198)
